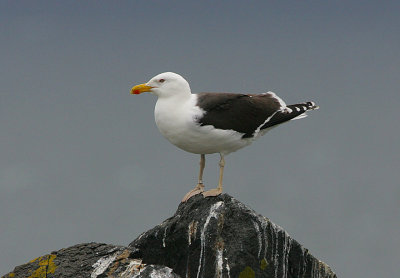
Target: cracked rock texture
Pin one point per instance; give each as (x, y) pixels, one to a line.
(207, 237)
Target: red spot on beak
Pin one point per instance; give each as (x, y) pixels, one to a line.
(138, 89)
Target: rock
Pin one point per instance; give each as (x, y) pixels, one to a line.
(207, 237)
(75, 261)
(94, 260)
(221, 237)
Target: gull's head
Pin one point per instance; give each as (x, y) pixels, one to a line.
(164, 85)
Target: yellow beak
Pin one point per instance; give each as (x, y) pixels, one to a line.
(138, 89)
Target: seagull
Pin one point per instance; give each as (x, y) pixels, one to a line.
(207, 123)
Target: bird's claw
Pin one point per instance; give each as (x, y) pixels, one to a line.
(212, 192)
(197, 190)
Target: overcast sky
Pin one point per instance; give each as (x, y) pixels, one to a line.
(81, 159)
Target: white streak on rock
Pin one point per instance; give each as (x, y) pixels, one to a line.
(303, 261)
(134, 268)
(219, 264)
(278, 232)
(276, 253)
(264, 222)
(287, 244)
(211, 214)
(165, 235)
(141, 235)
(102, 264)
(228, 269)
(259, 237)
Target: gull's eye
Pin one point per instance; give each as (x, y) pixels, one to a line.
(161, 80)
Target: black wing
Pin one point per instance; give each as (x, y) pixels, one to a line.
(240, 112)
(245, 113)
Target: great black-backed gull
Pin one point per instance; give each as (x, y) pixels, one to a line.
(207, 123)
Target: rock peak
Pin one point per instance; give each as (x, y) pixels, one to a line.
(206, 237)
(222, 237)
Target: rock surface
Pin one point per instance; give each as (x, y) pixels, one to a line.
(207, 237)
(90, 260)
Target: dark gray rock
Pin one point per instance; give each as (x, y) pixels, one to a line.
(207, 237)
(94, 260)
(221, 237)
(75, 261)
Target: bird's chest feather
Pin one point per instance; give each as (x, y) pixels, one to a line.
(175, 121)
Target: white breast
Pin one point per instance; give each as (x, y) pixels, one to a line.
(176, 120)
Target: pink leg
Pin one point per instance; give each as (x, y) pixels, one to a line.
(217, 191)
(200, 186)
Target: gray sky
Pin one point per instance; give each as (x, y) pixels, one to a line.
(82, 160)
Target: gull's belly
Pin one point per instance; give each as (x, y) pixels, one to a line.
(187, 135)
(204, 139)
